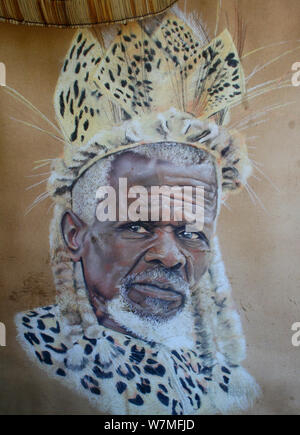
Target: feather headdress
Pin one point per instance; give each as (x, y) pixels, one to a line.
(108, 100)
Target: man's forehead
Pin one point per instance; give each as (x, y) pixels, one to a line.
(146, 171)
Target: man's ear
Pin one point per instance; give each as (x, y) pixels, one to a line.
(73, 229)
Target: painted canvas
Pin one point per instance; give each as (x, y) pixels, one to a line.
(151, 145)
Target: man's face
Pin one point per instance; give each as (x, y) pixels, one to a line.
(151, 263)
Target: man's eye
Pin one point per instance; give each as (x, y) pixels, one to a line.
(197, 236)
(189, 236)
(137, 228)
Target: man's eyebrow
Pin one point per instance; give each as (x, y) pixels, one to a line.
(122, 224)
(153, 224)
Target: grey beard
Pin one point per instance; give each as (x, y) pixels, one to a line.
(158, 275)
(176, 332)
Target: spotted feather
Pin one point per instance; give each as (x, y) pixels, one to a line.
(170, 67)
(207, 77)
(80, 107)
(126, 72)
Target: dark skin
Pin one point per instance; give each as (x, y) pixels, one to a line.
(111, 251)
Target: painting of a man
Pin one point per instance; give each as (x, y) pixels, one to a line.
(144, 321)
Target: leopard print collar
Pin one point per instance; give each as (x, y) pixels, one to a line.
(120, 374)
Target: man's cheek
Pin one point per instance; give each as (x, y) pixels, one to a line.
(112, 270)
(106, 280)
(201, 263)
(128, 252)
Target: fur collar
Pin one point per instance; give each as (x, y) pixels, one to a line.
(124, 375)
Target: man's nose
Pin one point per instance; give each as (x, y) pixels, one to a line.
(165, 251)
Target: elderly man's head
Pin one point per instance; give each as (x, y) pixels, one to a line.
(142, 273)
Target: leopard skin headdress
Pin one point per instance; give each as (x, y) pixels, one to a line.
(112, 99)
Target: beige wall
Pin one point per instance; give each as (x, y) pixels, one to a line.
(261, 248)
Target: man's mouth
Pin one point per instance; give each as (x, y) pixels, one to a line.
(154, 299)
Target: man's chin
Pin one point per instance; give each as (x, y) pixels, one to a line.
(173, 328)
(155, 310)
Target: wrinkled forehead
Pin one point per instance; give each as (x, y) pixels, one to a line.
(149, 171)
(147, 166)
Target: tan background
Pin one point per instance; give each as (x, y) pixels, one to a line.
(261, 248)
